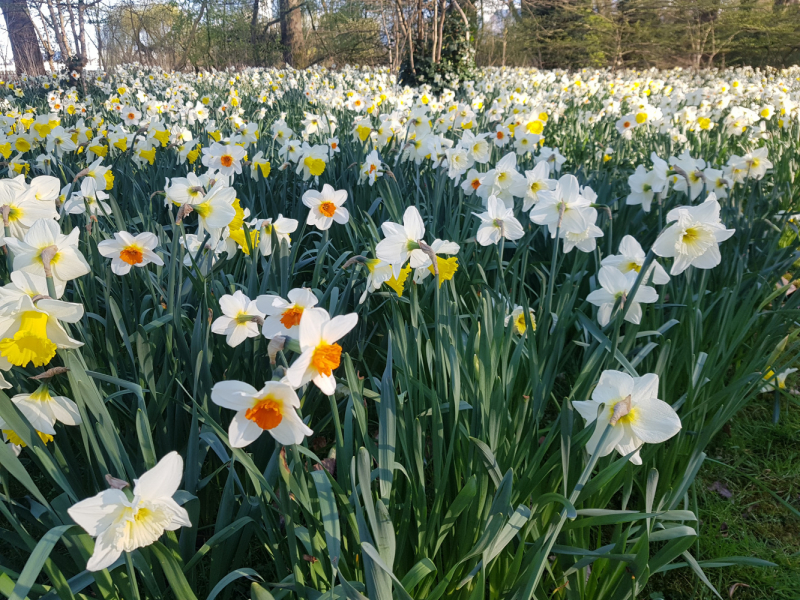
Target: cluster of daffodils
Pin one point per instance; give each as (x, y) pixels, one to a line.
(692, 175)
(524, 152)
(274, 407)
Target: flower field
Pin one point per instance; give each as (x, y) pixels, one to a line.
(279, 334)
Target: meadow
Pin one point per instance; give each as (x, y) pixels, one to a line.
(278, 334)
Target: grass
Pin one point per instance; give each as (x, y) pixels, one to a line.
(752, 522)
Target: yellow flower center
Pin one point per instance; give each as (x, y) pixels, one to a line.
(238, 220)
(30, 343)
(447, 268)
(237, 235)
(13, 438)
(398, 284)
(266, 413)
(203, 209)
(326, 358)
(626, 419)
(316, 166)
(226, 160)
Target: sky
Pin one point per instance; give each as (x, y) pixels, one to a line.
(7, 58)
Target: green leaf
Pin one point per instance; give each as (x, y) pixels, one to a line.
(33, 566)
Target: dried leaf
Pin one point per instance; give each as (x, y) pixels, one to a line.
(721, 490)
(735, 587)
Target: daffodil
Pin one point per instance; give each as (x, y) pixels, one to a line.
(402, 241)
(517, 317)
(21, 209)
(325, 207)
(693, 236)
(44, 237)
(225, 158)
(567, 210)
(48, 408)
(240, 318)
(630, 407)
(380, 272)
(774, 381)
(539, 186)
(631, 258)
(321, 355)
(497, 222)
(127, 251)
(273, 408)
(446, 267)
(30, 332)
(214, 210)
(120, 524)
(283, 317)
(615, 286)
(89, 199)
(312, 161)
(282, 227)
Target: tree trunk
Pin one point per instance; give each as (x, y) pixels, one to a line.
(22, 35)
(292, 33)
(254, 33)
(58, 27)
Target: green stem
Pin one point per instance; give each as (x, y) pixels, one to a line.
(51, 287)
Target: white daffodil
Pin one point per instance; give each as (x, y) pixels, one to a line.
(273, 408)
(566, 210)
(44, 188)
(27, 284)
(205, 261)
(215, 210)
(539, 186)
(632, 410)
(183, 190)
(497, 222)
(225, 158)
(616, 285)
(89, 198)
(122, 525)
(379, 273)
(51, 409)
(693, 237)
(240, 318)
(372, 168)
(65, 260)
(631, 258)
(283, 317)
(642, 187)
(282, 227)
(127, 251)
(21, 209)
(321, 354)
(325, 207)
(401, 242)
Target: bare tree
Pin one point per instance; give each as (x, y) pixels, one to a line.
(22, 35)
